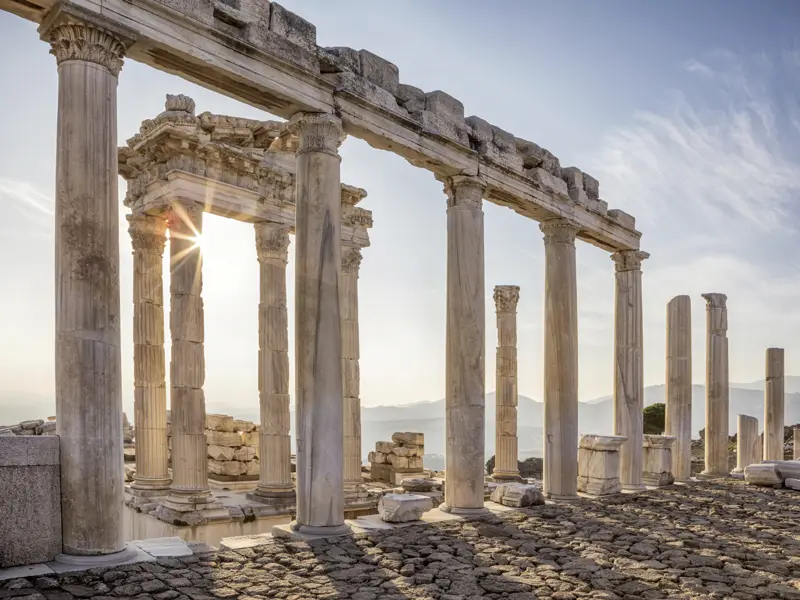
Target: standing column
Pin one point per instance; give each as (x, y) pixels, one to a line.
(189, 491)
(716, 442)
(274, 449)
(355, 492)
(506, 465)
(88, 362)
(628, 367)
(318, 339)
(148, 236)
(560, 360)
(466, 322)
(796, 443)
(679, 384)
(747, 440)
(773, 405)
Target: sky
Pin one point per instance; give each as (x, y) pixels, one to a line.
(688, 113)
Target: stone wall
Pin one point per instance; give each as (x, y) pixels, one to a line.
(30, 497)
(32, 427)
(402, 456)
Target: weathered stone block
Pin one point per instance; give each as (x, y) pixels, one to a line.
(402, 508)
(219, 423)
(494, 143)
(548, 182)
(243, 426)
(456, 131)
(253, 467)
(517, 495)
(787, 468)
(245, 454)
(293, 27)
(657, 460)
(377, 458)
(223, 438)
(379, 71)
(229, 468)
(763, 474)
(417, 484)
(339, 59)
(408, 93)
(598, 206)
(398, 462)
(591, 186)
(444, 105)
(381, 472)
(407, 451)
(359, 86)
(220, 452)
(622, 218)
(385, 447)
(792, 483)
(407, 437)
(599, 464)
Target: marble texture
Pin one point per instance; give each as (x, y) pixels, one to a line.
(318, 339)
(465, 342)
(506, 465)
(560, 360)
(717, 387)
(599, 464)
(402, 508)
(678, 391)
(657, 464)
(748, 443)
(773, 405)
(763, 474)
(628, 366)
(88, 385)
(148, 237)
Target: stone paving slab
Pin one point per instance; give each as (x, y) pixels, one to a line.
(719, 539)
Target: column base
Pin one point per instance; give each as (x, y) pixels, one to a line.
(464, 512)
(505, 476)
(88, 561)
(563, 498)
(280, 499)
(711, 475)
(190, 507)
(295, 531)
(634, 487)
(156, 484)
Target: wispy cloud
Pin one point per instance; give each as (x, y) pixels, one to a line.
(35, 206)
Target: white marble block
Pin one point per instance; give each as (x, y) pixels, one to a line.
(787, 468)
(657, 470)
(599, 463)
(763, 474)
(517, 495)
(401, 508)
(792, 483)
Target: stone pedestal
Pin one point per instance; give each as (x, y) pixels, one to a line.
(716, 442)
(318, 339)
(148, 236)
(88, 385)
(773, 405)
(275, 479)
(506, 465)
(748, 451)
(679, 384)
(464, 384)
(599, 464)
(658, 460)
(355, 492)
(628, 367)
(560, 360)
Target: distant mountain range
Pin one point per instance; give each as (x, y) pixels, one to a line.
(379, 422)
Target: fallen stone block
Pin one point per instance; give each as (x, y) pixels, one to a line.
(407, 437)
(253, 467)
(792, 483)
(244, 454)
(402, 508)
(417, 484)
(377, 458)
(223, 438)
(219, 422)
(230, 468)
(763, 474)
(384, 447)
(220, 452)
(398, 462)
(789, 469)
(31, 425)
(517, 495)
(243, 426)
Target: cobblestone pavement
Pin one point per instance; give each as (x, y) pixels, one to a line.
(706, 540)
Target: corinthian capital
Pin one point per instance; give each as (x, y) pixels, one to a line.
(148, 233)
(317, 132)
(79, 41)
(629, 260)
(351, 260)
(506, 298)
(714, 300)
(464, 191)
(559, 231)
(272, 242)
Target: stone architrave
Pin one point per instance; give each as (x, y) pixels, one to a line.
(560, 360)
(628, 366)
(318, 339)
(598, 464)
(796, 443)
(275, 478)
(679, 384)
(354, 489)
(773, 405)
(506, 466)
(747, 442)
(148, 237)
(717, 388)
(465, 384)
(657, 463)
(88, 384)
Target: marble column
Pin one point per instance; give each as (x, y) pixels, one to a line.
(274, 444)
(88, 385)
(318, 339)
(773, 405)
(189, 491)
(679, 384)
(465, 385)
(628, 367)
(354, 489)
(506, 465)
(747, 442)
(560, 360)
(148, 236)
(717, 390)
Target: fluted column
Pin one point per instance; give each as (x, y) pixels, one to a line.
(628, 367)
(747, 439)
(187, 363)
(274, 450)
(717, 389)
(773, 405)
(560, 360)
(679, 384)
(506, 465)
(148, 236)
(87, 342)
(353, 481)
(318, 340)
(466, 322)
